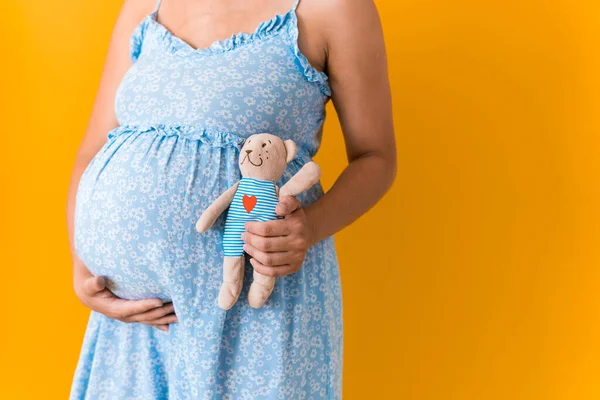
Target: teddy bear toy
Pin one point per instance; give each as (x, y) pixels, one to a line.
(262, 161)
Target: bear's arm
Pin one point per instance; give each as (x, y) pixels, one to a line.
(210, 215)
(304, 179)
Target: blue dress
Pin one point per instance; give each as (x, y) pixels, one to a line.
(183, 115)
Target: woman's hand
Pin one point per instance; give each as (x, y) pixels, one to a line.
(278, 247)
(92, 292)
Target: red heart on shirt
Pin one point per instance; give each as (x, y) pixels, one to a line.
(249, 202)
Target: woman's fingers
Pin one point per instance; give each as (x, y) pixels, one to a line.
(164, 328)
(277, 243)
(267, 258)
(124, 309)
(287, 205)
(148, 311)
(165, 320)
(274, 272)
(277, 227)
(154, 314)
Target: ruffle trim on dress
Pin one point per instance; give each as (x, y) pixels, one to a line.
(136, 40)
(210, 136)
(265, 29)
(311, 73)
(180, 46)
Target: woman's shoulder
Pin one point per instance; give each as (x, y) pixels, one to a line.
(134, 11)
(333, 15)
(131, 24)
(333, 25)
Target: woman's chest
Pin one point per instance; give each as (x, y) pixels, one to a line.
(251, 88)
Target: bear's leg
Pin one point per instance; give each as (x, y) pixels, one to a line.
(233, 278)
(260, 289)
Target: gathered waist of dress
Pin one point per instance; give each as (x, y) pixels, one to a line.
(207, 135)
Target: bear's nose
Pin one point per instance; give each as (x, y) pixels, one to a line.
(248, 151)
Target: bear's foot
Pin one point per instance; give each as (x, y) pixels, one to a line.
(233, 278)
(260, 289)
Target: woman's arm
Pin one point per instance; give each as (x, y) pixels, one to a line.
(352, 40)
(89, 289)
(358, 72)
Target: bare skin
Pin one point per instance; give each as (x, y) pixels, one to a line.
(347, 39)
(340, 37)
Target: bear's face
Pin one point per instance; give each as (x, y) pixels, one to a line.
(265, 156)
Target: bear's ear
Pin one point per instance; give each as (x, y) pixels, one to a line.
(290, 148)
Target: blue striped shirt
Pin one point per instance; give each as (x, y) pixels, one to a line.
(254, 200)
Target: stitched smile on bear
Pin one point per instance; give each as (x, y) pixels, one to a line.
(258, 147)
(247, 157)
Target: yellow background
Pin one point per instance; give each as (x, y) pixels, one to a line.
(477, 275)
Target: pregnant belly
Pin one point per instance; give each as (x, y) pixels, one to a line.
(137, 204)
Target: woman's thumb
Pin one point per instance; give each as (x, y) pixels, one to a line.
(94, 284)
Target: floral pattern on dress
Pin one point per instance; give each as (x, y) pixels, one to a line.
(183, 115)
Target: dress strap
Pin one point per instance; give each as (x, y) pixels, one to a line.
(294, 6)
(157, 6)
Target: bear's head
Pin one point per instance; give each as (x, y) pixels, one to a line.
(265, 156)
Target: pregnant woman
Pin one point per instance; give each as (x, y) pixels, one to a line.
(179, 94)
